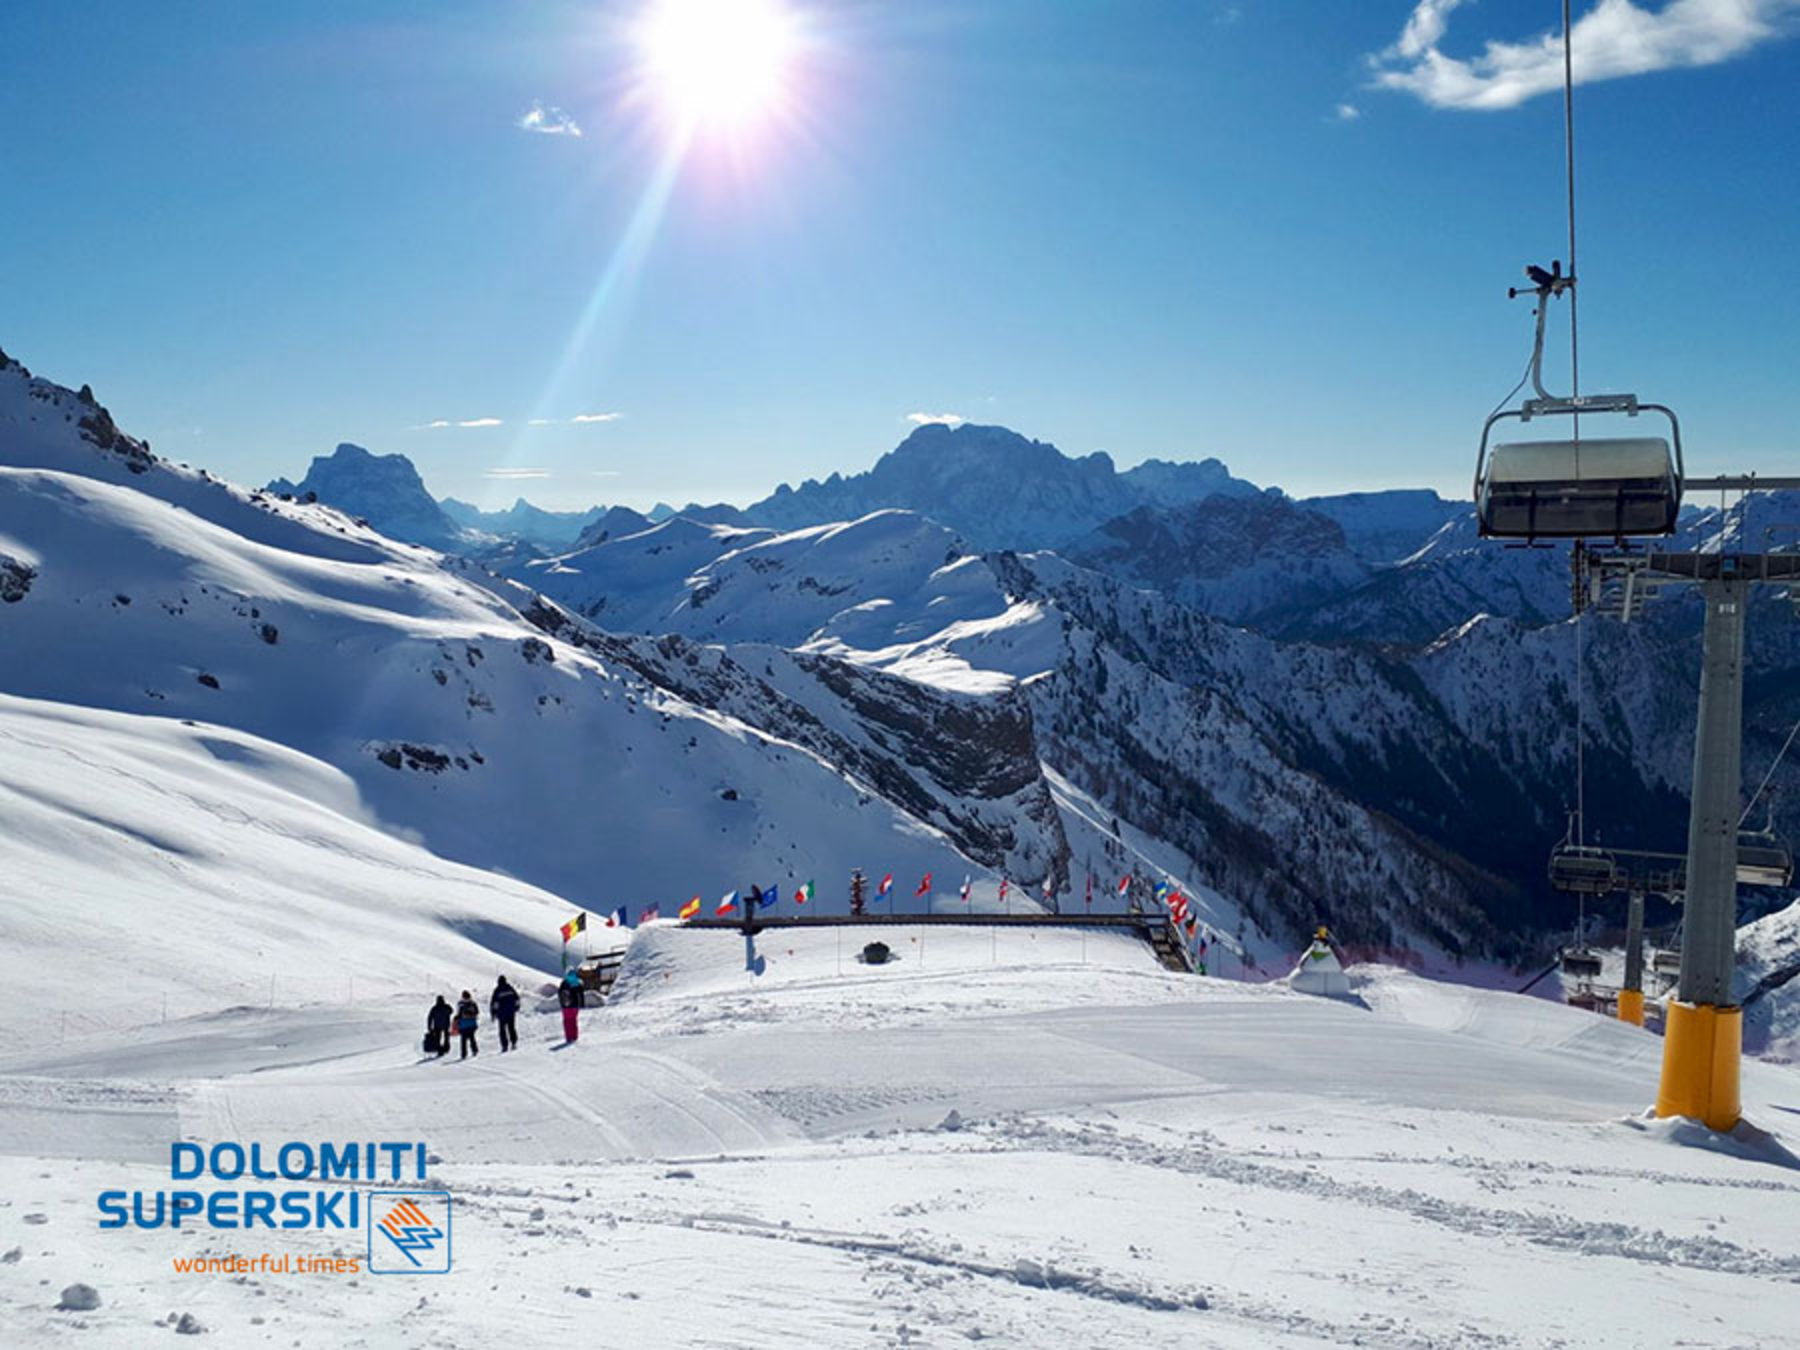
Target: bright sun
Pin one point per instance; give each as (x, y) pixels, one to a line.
(718, 63)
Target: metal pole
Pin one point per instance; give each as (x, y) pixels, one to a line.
(1703, 1037)
(1709, 930)
(1631, 997)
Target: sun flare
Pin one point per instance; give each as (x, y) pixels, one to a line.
(722, 64)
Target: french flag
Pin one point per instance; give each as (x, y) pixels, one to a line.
(617, 918)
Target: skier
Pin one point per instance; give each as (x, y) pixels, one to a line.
(437, 1027)
(503, 1007)
(570, 995)
(468, 1018)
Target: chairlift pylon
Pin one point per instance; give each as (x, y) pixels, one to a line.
(1616, 487)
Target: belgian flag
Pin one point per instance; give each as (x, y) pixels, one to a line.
(578, 924)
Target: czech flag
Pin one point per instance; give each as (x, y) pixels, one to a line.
(578, 924)
(804, 894)
(924, 885)
(691, 908)
(727, 903)
(887, 884)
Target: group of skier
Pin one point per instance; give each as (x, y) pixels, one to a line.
(503, 1006)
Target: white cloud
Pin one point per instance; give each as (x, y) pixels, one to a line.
(481, 422)
(1347, 112)
(516, 473)
(438, 425)
(1616, 38)
(541, 422)
(925, 419)
(581, 419)
(548, 120)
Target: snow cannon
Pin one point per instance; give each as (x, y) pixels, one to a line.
(1320, 971)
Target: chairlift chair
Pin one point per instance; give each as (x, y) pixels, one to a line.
(1666, 961)
(1763, 860)
(1618, 487)
(1581, 964)
(1583, 870)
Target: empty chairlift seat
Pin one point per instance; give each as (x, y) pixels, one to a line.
(1761, 861)
(1583, 871)
(1581, 964)
(1619, 487)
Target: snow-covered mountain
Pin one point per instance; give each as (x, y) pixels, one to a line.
(995, 487)
(1242, 558)
(553, 530)
(384, 490)
(427, 699)
(1384, 527)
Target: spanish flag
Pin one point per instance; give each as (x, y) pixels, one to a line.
(691, 908)
(578, 924)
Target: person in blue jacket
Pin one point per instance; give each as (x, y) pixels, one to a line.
(503, 1007)
(468, 1018)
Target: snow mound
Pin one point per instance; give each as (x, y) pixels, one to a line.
(1744, 1140)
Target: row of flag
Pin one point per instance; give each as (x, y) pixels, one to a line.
(1180, 908)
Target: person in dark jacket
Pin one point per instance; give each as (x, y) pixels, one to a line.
(570, 994)
(503, 1006)
(468, 1018)
(437, 1027)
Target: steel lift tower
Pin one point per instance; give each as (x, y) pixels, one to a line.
(1703, 1034)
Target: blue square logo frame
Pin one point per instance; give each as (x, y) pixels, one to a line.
(409, 1232)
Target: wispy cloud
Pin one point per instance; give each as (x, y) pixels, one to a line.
(1346, 112)
(548, 120)
(541, 422)
(1614, 39)
(582, 419)
(603, 473)
(481, 422)
(925, 419)
(515, 473)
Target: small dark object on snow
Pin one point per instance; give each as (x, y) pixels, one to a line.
(210, 681)
(876, 954)
(189, 1325)
(79, 1298)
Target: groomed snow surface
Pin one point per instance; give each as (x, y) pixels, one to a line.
(997, 1137)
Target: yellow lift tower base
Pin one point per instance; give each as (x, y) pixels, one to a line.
(1701, 1048)
(1631, 1006)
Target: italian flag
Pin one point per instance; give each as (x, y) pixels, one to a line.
(804, 894)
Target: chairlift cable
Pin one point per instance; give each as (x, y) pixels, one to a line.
(1773, 765)
(1574, 392)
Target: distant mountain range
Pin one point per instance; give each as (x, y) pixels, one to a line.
(1346, 709)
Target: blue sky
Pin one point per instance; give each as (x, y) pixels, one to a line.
(1279, 233)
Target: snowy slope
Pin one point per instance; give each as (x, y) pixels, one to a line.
(460, 722)
(184, 868)
(981, 1142)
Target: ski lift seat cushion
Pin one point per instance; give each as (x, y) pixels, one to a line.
(1590, 460)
